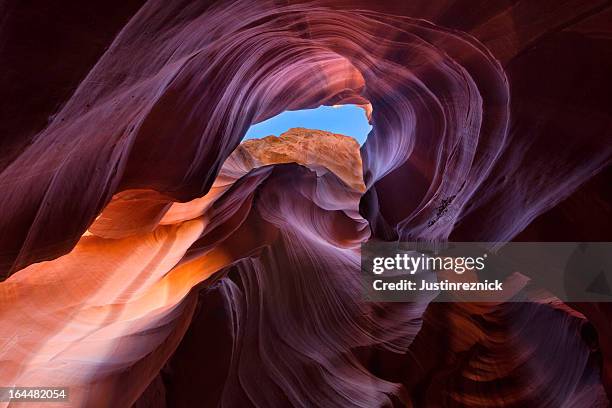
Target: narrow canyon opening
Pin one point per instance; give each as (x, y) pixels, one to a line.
(347, 120)
(327, 137)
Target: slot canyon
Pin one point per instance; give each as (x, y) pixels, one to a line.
(151, 257)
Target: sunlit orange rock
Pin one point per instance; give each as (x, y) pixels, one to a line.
(313, 148)
(140, 259)
(130, 272)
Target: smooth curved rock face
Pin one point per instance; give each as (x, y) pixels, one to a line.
(145, 263)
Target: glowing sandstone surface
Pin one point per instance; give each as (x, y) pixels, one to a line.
(142, 262)
(90, 314)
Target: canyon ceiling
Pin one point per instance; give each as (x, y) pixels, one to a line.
(148, 257)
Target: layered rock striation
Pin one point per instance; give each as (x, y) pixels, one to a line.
(148, 259)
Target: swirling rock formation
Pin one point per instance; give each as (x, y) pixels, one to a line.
(145, 263)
